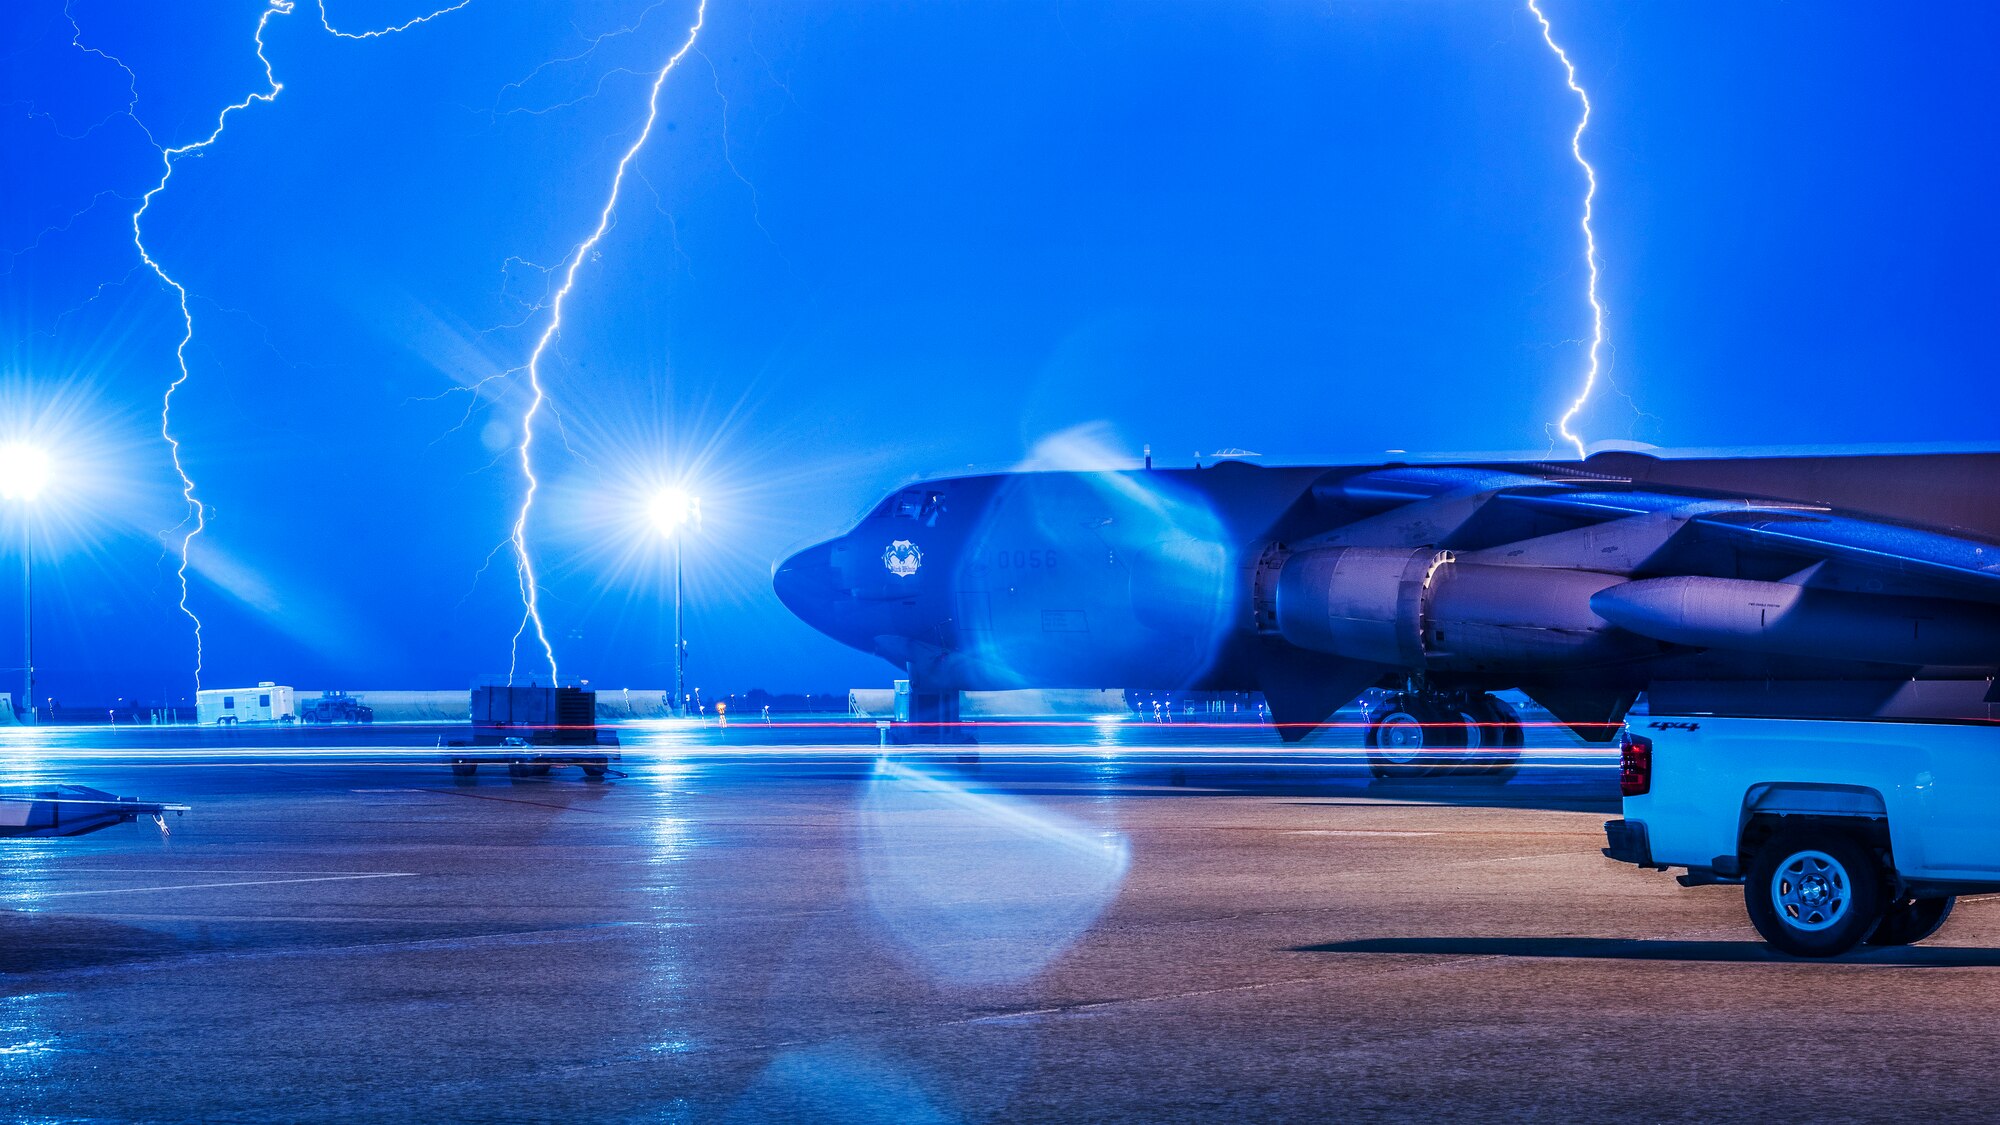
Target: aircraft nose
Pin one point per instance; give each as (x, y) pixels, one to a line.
(808, 585)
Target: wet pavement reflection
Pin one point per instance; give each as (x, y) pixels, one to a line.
(1051, 924)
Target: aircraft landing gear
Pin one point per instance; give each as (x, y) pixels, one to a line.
(1426, 734)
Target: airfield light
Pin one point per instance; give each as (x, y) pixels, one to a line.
(672, 510)
(24, 472)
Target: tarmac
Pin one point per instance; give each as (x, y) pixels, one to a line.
(1205, 928)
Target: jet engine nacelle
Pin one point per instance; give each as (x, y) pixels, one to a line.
(1424, 609)
(1363, 603)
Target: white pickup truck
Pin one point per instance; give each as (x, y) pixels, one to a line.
(1839, 831)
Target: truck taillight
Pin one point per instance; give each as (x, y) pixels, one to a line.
(1635, 764)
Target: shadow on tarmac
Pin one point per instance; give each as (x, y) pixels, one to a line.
(1642, 949)
(40, 943)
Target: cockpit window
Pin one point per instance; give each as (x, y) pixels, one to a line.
(921, 505)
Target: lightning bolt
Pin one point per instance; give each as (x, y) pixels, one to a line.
(197, 512)
(530, 600)
(197, 518)
(332, 30)
(1589, 237)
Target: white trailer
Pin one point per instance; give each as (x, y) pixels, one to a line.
(265, 703)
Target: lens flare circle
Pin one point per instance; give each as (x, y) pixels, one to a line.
(980, 888)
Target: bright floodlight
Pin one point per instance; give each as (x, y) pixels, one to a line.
(672, 508)
(24, 470)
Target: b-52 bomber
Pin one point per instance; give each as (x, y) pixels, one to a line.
(1864, 584)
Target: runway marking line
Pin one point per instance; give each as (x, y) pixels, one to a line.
(1359, 832)
(201, 871)
(206, 886)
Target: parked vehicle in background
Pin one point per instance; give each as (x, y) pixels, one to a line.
(335, 707)
(266, 703)
(1839, 831)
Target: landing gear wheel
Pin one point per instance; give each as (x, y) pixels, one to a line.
(1910, 921)
(1813, 893)
(1494, 730)
(1406, 734)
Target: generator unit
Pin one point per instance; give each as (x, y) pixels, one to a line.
(536, 716)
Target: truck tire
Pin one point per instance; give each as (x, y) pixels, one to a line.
(1911, 920)
(1814, 892)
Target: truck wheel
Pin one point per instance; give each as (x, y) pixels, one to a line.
(464, 769)
(1911, 921)
(1813, 893)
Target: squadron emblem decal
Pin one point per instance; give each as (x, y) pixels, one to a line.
(902, 558)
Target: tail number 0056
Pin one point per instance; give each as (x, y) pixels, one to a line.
(1025, 560)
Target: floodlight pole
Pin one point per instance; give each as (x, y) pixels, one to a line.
(27, 619)
(680, 637)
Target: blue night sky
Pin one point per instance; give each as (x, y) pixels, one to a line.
(873, 240)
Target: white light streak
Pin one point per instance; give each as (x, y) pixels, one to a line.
(1589, 238)
(530, 600)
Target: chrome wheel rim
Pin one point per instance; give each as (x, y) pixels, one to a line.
(1399, 736)
(1811, 890)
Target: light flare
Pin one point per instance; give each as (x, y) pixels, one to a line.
(1589, 237)
(530, 599)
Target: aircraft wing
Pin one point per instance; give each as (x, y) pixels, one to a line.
(1961, 563)
(72, 810)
